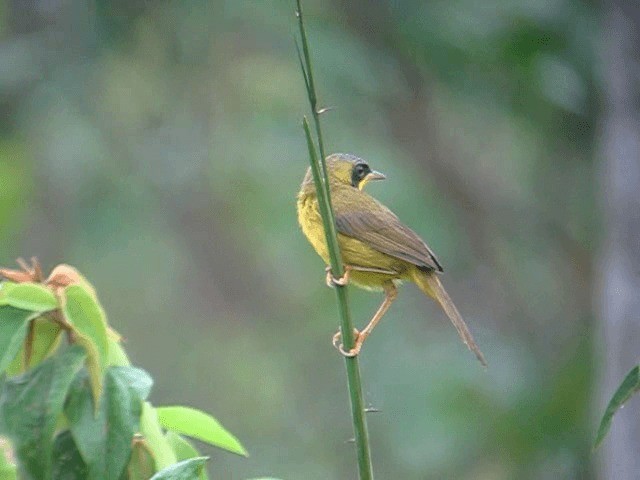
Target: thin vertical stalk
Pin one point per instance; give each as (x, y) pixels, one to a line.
(319, 171)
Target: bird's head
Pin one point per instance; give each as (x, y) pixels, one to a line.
(351, 170)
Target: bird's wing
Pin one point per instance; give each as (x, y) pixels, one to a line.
(372, 223)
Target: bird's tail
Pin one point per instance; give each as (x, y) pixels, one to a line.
(430, 284)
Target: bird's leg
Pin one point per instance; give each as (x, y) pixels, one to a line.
(342, 281)
(391, 293)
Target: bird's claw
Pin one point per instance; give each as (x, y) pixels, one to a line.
(342, 281)
(356, 347)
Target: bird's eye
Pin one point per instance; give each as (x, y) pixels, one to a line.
(358, 173)
(361, 170)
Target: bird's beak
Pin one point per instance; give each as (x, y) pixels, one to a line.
(373, 175)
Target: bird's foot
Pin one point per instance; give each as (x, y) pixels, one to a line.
(356, 347)
(342, 281)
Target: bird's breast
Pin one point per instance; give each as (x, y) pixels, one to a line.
(354, 252)
(311, 224)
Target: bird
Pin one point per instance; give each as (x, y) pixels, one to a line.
(378, 251)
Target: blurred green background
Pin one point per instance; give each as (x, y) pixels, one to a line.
(157, 147)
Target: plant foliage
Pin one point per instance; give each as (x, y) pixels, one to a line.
(629, 386)
(71, 404)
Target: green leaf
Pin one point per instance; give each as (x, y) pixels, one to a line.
(137, 379)
(199, 425)
(28, 296)
(13, 330)
(30, 405)
(67, 461)
(629, 386)
(141, 465)
(46, 339)
(104, 438)
(185, 470)
(184, 450)
(152, 432)
(117, 356)
(82, 310)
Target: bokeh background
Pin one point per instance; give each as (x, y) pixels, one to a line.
(157, 147)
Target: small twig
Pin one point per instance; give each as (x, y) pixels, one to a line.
(37, 270)
(28, 344)
(57, 317)
(23, 264)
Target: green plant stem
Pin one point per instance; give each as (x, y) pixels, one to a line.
(319, 171)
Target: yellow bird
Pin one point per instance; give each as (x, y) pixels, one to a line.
(378, 250)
